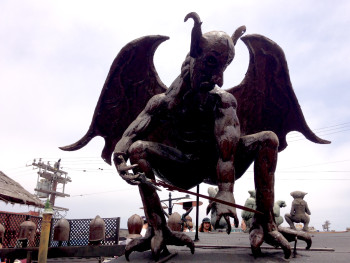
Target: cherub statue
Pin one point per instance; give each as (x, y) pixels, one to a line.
(299, 212)
(277, 211)
(246, 215)
(194, 131)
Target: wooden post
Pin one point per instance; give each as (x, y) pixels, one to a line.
(45, 235)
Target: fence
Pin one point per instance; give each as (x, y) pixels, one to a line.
(78, 235)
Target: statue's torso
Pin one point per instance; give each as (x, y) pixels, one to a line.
(192, 125)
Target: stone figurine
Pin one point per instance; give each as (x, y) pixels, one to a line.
(194, 131)
(246, 215)
(277, 211)
(299, 212)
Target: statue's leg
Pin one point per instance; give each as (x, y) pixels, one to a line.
(263, 148)
(279, 220)
(289, 221)
(145, 154)
(306, 222)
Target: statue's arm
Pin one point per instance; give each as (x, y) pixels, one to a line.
(139, 127)
(307, 210)
(292, 209)
(227, 133)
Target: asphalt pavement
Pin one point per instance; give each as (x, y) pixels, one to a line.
(220, 247)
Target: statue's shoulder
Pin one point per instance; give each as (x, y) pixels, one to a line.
(156, 103)
(225, 98)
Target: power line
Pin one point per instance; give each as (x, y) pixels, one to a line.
(303, 138)
(104, 192)
(328, 128)
(323, 163)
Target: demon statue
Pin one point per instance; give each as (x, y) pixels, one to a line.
(299, 212)
(246, 215)
(194, 131)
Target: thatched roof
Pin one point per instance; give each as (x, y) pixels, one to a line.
(13, 192)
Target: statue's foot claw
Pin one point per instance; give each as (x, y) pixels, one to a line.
(181, 239)
(276, 239)
(127, 253)
(137, 244)
(157, 242)
(257, 236)
(290, 235)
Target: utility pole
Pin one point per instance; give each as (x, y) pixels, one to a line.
(50, 177)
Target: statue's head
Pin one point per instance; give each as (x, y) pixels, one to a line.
(281, 203)
(210, 53)
(252, 193)
(298, 194)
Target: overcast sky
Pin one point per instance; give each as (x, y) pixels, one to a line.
(55, 56)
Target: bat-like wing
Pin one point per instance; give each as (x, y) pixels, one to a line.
(131, 82)
(266, 99)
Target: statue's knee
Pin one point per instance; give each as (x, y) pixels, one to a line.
(137, 150)
(271, 139)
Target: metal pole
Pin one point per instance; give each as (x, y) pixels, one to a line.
(197, 214)
(170, 209)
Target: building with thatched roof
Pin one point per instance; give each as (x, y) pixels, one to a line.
(12, 192)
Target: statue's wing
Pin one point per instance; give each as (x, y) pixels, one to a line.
(132, 80)
(266, 99)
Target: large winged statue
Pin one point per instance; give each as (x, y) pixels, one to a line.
(195, 131)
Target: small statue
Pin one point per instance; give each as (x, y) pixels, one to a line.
(248, 216)
(299, 212)
(222, 223)
(277, 211)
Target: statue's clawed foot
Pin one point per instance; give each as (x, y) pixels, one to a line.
(156, 240)
(291, 234)
(259, 234)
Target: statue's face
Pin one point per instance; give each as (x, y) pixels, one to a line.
(208, 68)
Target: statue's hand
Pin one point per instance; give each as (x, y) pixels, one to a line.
(130, 178)
(123, 168)
(223, 210)
(120, 163)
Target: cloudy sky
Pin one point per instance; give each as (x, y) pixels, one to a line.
(55, 56)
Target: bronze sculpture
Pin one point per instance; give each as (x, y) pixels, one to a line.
(299, 212)
(194, 132)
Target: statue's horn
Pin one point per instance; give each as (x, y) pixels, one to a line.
(196, 34)
(238, 33)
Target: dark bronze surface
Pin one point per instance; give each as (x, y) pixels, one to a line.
(196, 132)
(27, 231)
(61, 230)
(135, 223)
(97, 230)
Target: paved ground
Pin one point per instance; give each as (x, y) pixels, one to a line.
(327, 247)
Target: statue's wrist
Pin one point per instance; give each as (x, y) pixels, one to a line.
(119, 157)
(225, 187)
